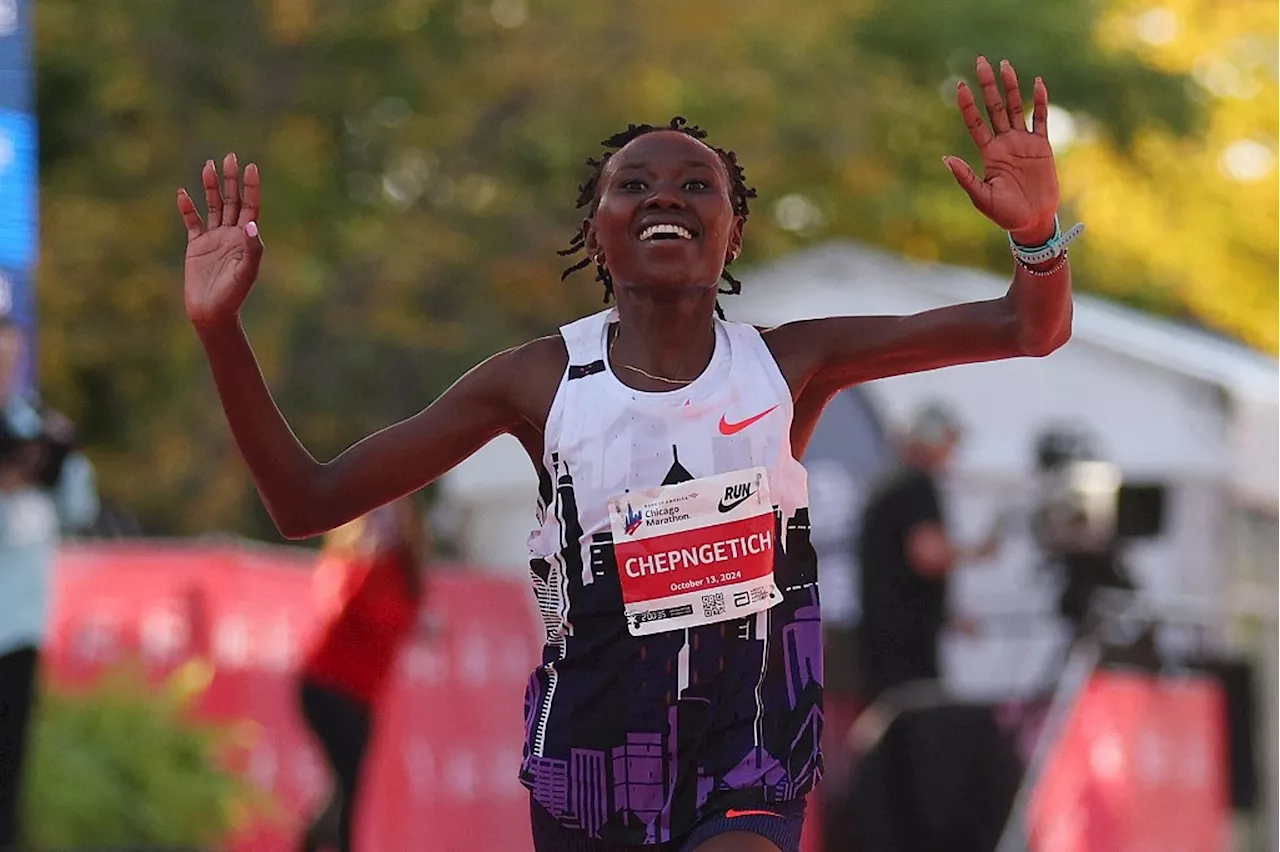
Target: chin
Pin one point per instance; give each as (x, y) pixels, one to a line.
(674, 273)
(676, 285)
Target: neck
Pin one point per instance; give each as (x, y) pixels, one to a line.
(670, 335)
(920, 457)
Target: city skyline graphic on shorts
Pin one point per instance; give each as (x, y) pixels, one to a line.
(613, 746)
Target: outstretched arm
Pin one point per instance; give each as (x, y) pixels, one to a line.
(304, 496)
(1019, 192)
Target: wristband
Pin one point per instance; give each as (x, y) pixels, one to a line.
(1056, 246)
(1045, 273)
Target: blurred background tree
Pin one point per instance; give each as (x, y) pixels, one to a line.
(1191, 219)
(421, 157)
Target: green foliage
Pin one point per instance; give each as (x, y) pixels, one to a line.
(1193, 218)
(1117, 90)
(125, 764)
(420, 159)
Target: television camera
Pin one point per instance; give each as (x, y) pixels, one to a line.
(1086, 514)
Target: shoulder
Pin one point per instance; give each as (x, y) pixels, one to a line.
(540, 357)
(898, 482)
(541, 353)
(790, 337)
(528, 375)
(794, 348)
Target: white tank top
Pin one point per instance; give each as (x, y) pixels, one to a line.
(618, 439)
(673, 570)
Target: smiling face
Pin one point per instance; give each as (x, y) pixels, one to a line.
(664, 217)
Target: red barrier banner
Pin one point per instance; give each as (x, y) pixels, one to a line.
(447, 741)
(442, 769)
(1139, 767)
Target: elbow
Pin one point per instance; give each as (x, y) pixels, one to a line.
(294, 520)
(294, 527)
(311, 511)
(296, 532)
(1040, 345)
(304, 508)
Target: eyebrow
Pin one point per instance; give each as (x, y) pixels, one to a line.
(631, 167)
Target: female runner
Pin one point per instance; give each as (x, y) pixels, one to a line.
(679, 701)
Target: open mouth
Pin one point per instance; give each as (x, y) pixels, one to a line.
(665, 232)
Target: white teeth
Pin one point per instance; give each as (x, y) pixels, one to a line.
(680, 232)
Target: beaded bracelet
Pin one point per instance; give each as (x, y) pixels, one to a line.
(1045, 273)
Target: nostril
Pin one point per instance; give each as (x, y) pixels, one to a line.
(664, 200)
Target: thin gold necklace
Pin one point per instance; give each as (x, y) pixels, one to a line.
(614, 342)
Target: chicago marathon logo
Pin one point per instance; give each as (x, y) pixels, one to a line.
(633, 520)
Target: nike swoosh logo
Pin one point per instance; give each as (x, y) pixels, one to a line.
(729, 507)
(731, 813)
(727, 428)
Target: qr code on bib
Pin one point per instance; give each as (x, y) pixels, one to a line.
(713, 604)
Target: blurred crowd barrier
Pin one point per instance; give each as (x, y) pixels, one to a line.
(1120, 757)
(1139, 765)
(1149, 745)
(447, 744)
(1134, 755)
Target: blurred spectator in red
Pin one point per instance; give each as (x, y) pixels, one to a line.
(369, 581)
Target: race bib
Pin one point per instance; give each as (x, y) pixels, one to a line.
(695, 553)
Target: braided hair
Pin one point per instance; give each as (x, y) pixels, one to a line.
(739, 193)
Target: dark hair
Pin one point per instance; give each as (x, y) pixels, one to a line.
(739, 193)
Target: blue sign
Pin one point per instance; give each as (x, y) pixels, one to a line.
(18, 188)
(15, 29)
(15, 55)
(15, 87)
(19, 158)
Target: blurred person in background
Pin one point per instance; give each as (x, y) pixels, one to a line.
(907, 557)
(937, 776)
(46, 489)
(369, 584)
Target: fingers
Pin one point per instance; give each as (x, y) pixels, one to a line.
(1004, 111)
(252, 196)
(972, 118)
(232, 205)
(190, 216)
(230, 190)
(978, 191)
(212, 198)
(1012, 95)
(1040, 109)
(255, 247)
(991, 96)
(255, 244)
